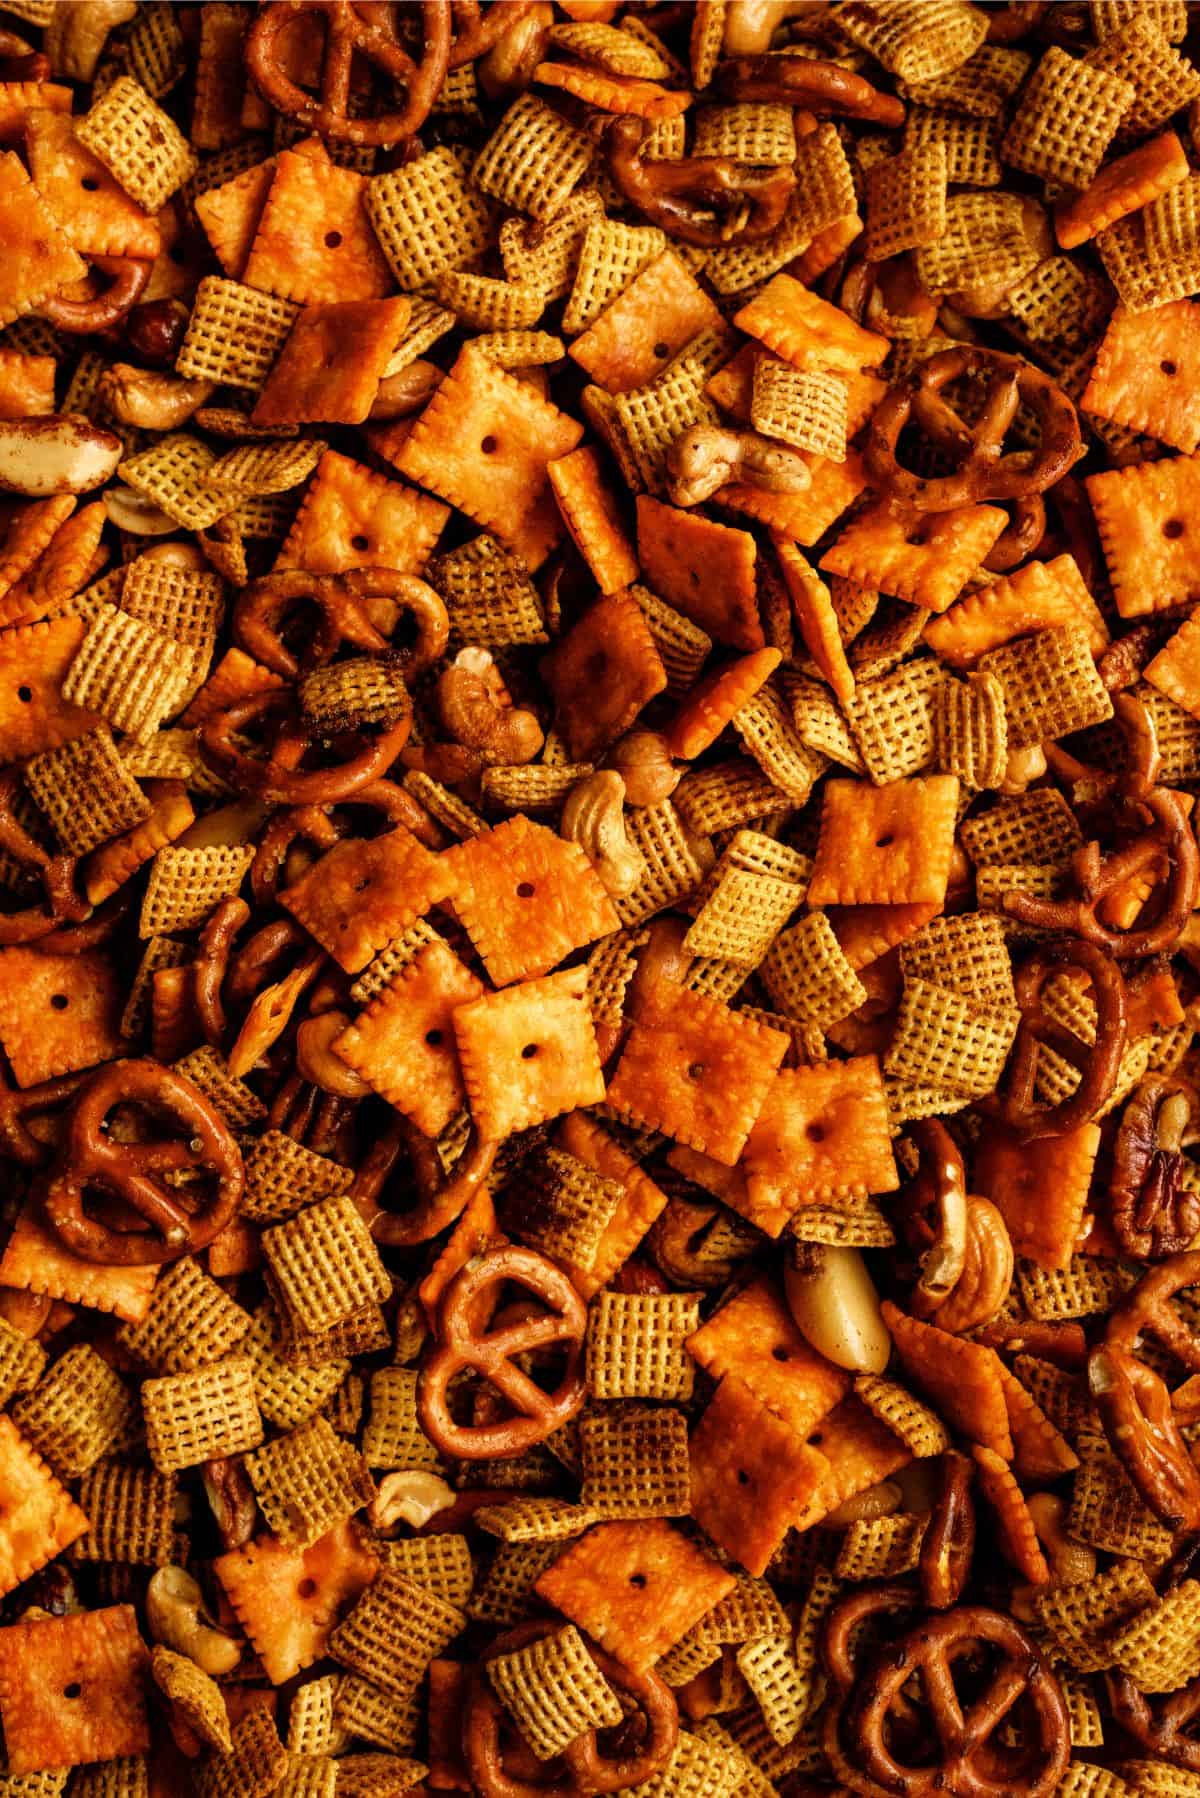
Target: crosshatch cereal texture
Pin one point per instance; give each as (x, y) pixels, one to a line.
(599, 895)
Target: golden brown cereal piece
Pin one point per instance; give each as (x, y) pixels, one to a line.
(393, 1436)
(86, 791)
(528, 1053)
(1051, 685)
(560, 1206)
(534, 160)
(192, 1696)
(807, 410)
(185, 885)
(139, 143)
(906, 200)
(191, 1321)
(1163, 80)
(634, 1461)
(554, 1691)
(132, 1515)
(393, 1633)
(282, 1177)
(971, 730)
(917, 43)
(234, 333)
(256, 1765)
(970, 145)
(79, 1411)
(488, 593)
(201, 1416)
(48, 1723)
(324, 1265)
(808, 975)
(943, 1039)
(287, 1395)
(428, 216)
(308, 1481)
(636, 1345)
(742, 915)
(1067, 116)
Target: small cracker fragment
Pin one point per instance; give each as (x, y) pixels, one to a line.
(961, 1377)
(635, 1587)
(72, 1689)
(807, 331)
(1122, 186)
(38, 1516)
(885, 845)
(1041, 1189)
(528, 1053)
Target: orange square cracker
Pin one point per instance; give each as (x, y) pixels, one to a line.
(1147, 516)
(529, 1053)
(961, 1378)
(58, 1013)
(34, 1260)
(1041, 1188)
(366, 891)
(822, 1135)
(704, 569)
(804, 517)
(289, 1599)
(592, 516)
(73, 1689)
(26, 384)
(38, 257)
(602, 672)
(1147, 371)
(1038, 597)
(753, 1336)
(860, 1451)
(89, 203)
(353, 517)
(888, 845)
(330, 368)
(33, 663)
(924, 558)
(807, 331)
(660, 311)
(753, 1477)
(1175, 670)
(314, 240)
(38, 1517)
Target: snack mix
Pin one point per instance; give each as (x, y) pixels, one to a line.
(599, 900)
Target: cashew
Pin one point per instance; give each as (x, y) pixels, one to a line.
(58, 453)
(836, 1309)
(131, 512)
(594, 817)
(477, 712)
(1022, 768)
(176, 1617)
(644, 763)
(405, 392)
(175, 555)
(507, 69)
(751, 24)
(410, 1497)
(149, 400)
(76, 35)
(1071, 1563)
(319, 1063)
(883, 1500)
(704, 458)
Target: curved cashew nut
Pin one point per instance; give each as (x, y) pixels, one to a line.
(58, 453)
(705, 458)
(132, 512)
(594, 817)
(643, 761)
(76, 35)
(507, 69)
(149, 400)
(751, 24)
(405, 392)
(176, 1616)
(881, 1500)
(476, 712)
(836, 1308)
(411, 1497)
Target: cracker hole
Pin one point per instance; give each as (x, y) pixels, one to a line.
(360, 542)
(780, 1354)
(59, 1001)
(490, 445)
(1173, 528)
(883, 841)
(815, 1132)
(696, 1070)
(333, 240)
(638, 1580)
(1169, 368)
(25, 694)
(434, 1038)
(743, 1477)
(74, 1690)
(529, 1051)
(526, 890)
(662, 349)
(306, 1588)
(360, 886)
(90, 184)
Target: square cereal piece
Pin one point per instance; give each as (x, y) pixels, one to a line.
(636, 1588)
(807, 408)
(611, 255)
(40, 259)
(287, 1395)
(602, 673)
(553, 1691)
(38, 1517)
(393, 1436)
(526, 898)
(1051, 685)
(428, 217)
(923, 559)
(138, 142)
(560, 1206)
(308, 1481)
(402, 1045)
(1041, 1188)
(72, 1689)
(86, 791)
(1067, 116)
(821, 1136)
(807, 331)
(591, 513)
(34, 1260)
(58, 1013)
(484, 442)
(354, 517)
(906, 200)
(185, 885)
(752, 1476)
(916, 40)
(78, 1412)
(636, 1211)
(234, 333)
(129, 673)
(753, 1336)
(887, 845)
(534, 159)
(636, 1345)
(393, 1633)
(324, 1265)
(963, 1379)
(944, 1039)
(704, 569)
(400, 878)
(661, 310)
(94, 210)
(488, 593)
(332, 363)
(314, 243)
(191, 1321)
(696, 1070)
(1164, 81)
(808, 975)
(529, 1053)
(254, 1768)
(203, 1415)
(132, 1513)
(1144, 369)
(634, 1461)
